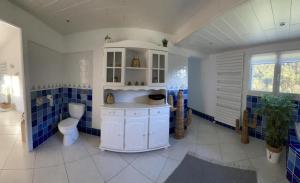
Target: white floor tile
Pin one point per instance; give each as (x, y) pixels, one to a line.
(74, 152)
(20, 158)
(91, 143)
(109, 164)
(130, 175)
(232, 152)
(150, 165)
(211, 152)
(207, 138)
(52, 174)
(16, 176)
(268, 172)
(167, 170)
(48, 156)
(83, 170)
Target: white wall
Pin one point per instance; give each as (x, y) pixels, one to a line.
(202, 84)
(78, 69)
(94, 41)
(11, 54)
(45, 66)
(177, 72)
(202, 88)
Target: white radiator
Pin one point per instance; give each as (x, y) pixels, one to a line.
(230, 66)
(3, 68)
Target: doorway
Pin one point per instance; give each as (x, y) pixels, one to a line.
(12, 101)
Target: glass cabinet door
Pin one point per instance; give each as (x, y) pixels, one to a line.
(158, 69)
(114, 65)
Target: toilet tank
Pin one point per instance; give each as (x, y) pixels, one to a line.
(76, 110)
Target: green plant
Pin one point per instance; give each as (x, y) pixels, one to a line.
(278, 111)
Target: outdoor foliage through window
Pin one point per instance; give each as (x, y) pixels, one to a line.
(263, 72)
(262, 77)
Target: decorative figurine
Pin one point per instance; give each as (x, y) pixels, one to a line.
(107, 39)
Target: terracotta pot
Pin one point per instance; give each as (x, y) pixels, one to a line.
(273, 154)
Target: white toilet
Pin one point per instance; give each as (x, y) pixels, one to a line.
(68, 127)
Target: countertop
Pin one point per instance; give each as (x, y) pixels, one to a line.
(133, 105)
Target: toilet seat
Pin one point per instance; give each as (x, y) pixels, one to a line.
(68, 124)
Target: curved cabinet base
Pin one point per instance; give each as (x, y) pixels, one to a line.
(136, 151)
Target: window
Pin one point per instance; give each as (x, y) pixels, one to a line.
(276, 72)
(290, 73)
(262, 72)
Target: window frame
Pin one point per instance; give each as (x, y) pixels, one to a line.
(277, 75)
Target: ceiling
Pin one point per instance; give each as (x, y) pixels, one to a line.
(6, 33)
(253, 22)
(161, 15)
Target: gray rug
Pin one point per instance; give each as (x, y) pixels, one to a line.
(195, 170)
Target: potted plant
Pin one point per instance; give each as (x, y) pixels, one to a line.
(278, 111)
(165, 42)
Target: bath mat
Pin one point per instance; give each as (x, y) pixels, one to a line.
(195, 170)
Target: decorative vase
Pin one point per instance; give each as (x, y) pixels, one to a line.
(110, 99)
(273, 154)
(136, 62)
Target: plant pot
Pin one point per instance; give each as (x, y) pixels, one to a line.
(273, 154)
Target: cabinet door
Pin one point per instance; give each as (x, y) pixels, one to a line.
(158, 131)
(158, 67)
(136, 132)
(114, 67)
(112, 133)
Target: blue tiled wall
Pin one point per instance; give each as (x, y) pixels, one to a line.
(45, 118)
(293, 158)
(173, 114)
(253, 102)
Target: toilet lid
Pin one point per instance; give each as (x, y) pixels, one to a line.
(68, 123)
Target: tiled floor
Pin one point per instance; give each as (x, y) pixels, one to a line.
(83, 162)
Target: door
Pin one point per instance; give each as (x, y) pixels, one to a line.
(112, 133)
(136, 134)
(158, 67)
(158, 131)
(114, 68)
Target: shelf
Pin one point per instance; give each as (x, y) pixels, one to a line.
(113, 67)
(134, 87)
(137, 68)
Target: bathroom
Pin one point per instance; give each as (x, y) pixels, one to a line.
(196, 61)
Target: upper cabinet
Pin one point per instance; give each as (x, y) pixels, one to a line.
(114, 67)
(158, 68)
(135, 65)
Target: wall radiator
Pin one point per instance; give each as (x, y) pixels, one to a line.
(229, 86)
(3, 68)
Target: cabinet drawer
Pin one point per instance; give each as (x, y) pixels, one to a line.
(136, 112)
(113, 112)
(160, 111)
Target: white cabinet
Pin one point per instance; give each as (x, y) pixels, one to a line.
(134, 129)
(113, 135)
(158, 131)
(114, 66)
(158, 67)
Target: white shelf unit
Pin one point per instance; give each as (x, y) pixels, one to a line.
(118, 68)
(133, 125)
